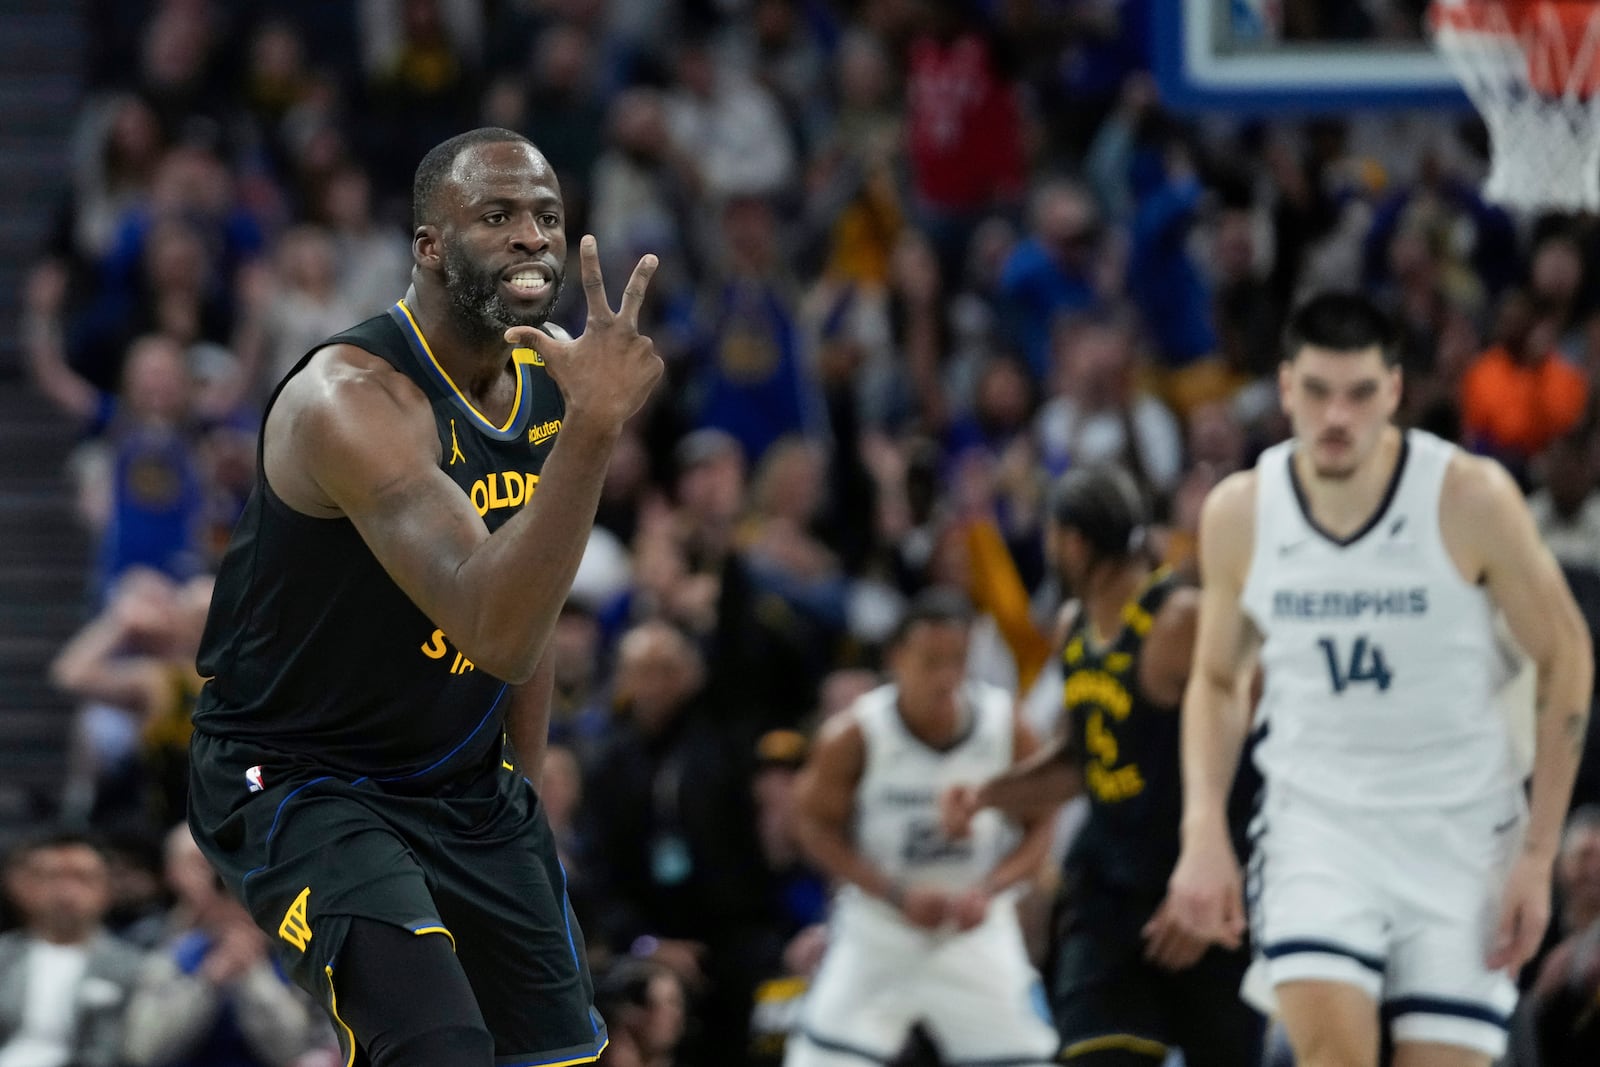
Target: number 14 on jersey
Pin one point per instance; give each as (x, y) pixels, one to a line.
(1364, 664)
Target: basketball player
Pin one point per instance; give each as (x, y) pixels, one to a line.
(1126, 981)
(426, 484)
(923, 929)
(1399, 878)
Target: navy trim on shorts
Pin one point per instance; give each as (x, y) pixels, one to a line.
(1458, 1009)
(1302, 946)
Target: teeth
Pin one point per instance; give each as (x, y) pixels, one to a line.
(528, 280)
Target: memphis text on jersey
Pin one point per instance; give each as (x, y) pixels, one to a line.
(1349, 604)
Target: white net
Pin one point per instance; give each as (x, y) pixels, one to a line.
(1531, 73)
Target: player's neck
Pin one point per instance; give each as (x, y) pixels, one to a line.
(1344, 505)
(474, 362)
(938, 727)
(1108, 591)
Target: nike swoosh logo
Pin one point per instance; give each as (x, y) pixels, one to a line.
(1291, 547)
(1508, 824)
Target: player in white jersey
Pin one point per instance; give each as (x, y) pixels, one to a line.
(1399, 876)
(923, 928)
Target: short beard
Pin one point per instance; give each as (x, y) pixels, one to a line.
(476, 305)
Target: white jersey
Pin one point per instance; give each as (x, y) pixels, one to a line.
(1380, 659)
(897, 825)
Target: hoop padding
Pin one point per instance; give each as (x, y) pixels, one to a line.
(1532, 69)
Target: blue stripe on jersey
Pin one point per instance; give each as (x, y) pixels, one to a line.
(446, 757)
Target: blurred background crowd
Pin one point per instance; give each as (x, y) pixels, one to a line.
(918, 258)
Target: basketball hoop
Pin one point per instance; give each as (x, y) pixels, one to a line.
(1532, 69)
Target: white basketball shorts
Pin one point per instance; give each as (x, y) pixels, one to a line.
(976, 992)
(1401, 904)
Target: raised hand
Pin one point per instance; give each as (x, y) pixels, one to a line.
(607, 373)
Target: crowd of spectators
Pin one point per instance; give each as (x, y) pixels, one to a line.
(917, 258)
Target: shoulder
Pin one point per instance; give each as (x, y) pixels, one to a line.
(1234, 498)
(1227, 518)
(841, 732)
(346, 394)
(1476, 488)
(1178, 612)
(840, 750)
(347, 428)
(342, 376)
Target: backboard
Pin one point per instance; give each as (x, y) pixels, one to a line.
(1298, 56)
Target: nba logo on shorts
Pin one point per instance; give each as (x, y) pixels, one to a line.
(252, 778)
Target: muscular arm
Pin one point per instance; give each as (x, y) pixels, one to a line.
(528, 720)
(1024, 861)
(824, 800)
(1043, 777)
(1490, 533)
(1168, 653)
(350, 436)
(358, 439)
(1216, 698)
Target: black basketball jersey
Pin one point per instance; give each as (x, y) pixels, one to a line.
(313, 652)
(1128, 747)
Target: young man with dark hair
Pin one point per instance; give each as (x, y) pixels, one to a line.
(1361, 566)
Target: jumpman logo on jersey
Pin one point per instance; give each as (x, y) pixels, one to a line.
(455, 448)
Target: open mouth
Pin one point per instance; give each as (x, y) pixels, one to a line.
(528, 282)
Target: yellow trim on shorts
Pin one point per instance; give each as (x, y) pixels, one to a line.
(581, 1059)
(333, 1009)
(419, 931)
(1109, 1041)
